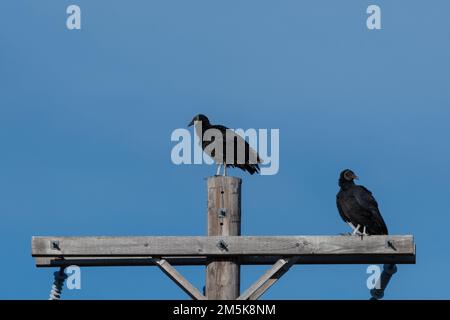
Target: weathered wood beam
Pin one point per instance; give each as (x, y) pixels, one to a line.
(311, 249)
(181, 281)
(271, 276)
(44, 262)
(224, 219)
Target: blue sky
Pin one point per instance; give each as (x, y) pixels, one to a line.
(86, 118)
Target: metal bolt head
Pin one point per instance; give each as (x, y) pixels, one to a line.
(222, 212)
(55, 245)
(222, 245)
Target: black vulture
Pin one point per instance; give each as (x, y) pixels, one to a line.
(218, 142)
(357, 206)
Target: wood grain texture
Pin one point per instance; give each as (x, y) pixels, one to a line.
(224, 219)
(179, 280)
(307, 246)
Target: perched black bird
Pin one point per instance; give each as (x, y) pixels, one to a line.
(218, 140)
(358, 208)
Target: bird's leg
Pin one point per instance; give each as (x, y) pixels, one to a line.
(224, 169)
(351, 225)
(356, 230)
(218, 169)
(362, 234)
(347, 233)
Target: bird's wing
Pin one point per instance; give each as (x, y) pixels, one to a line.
(244, 153)
(339, 206)
(366, 200)
(213, 142)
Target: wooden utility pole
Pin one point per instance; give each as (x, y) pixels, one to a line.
(224, 219)
(223, 250)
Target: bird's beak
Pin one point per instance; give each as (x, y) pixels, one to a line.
(191, 123)
(355, 177)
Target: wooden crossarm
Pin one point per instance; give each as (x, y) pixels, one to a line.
(91, 251)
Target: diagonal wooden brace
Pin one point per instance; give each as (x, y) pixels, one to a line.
(181, 281)
(271, 276)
